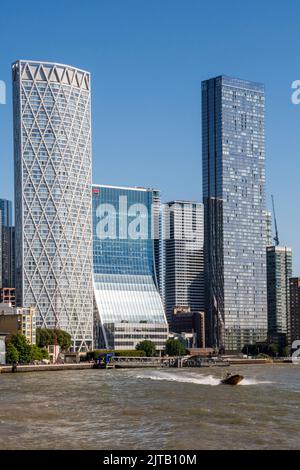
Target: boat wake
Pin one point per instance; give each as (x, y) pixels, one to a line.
(193, 378)
(199, 380)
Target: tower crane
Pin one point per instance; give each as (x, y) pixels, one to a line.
(276, 238)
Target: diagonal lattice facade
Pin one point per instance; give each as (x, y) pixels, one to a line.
(52, 145)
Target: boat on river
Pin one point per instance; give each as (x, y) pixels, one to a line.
(232, 379)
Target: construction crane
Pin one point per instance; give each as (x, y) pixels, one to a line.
(276, 238)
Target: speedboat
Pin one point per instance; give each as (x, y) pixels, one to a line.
(232, 379)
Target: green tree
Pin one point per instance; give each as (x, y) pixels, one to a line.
(23, 347)
(63, 339)
(12, 354)
(37, 354)
(147, 346)
(174, 347)
(45, 337)
(272, 350)
(19, 349)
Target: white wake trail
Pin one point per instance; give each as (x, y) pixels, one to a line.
(193, 378)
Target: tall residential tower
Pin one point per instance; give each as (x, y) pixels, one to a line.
(52, 147)
(234, 206)
(183, 257)
(279, 272)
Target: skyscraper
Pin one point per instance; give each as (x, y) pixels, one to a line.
(52, 147)
(279, 272)
(128, 306)
(269, 234)
(183, 256)
(7, 245)
(234, 204)
(294, 323)
(6, 212)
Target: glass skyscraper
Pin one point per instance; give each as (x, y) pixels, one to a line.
(7, 245)
(233, 142)
(183, 256)
(128, 306)
(52, 148)
(6, 212)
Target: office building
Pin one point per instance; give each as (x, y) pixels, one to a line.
(294, 323)
(8, 257)
(183, 257)
(18, 320)
(185, 321)
(7, 245)
(128, 306)
(233, 143)
(6, 212)
(52, 148)
(279, 272)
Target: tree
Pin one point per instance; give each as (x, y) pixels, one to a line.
(46, 336)
(174, 347)
(37, 354)
(12, 354)
(147, 346)
(23, 347)
(19, 349)
(63, 339)
(43, 337)
(269, 349)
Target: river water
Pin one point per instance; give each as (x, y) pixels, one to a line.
(151, 409)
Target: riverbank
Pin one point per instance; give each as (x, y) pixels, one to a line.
(45, 367)
(134, 363)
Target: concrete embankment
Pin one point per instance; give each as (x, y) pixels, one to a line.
(249, 361)
(46, 367)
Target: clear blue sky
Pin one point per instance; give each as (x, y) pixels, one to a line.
(147, 59)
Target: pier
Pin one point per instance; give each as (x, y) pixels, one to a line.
(45, 367)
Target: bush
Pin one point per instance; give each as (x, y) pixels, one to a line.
(269, 349)
(23, 347)
(93, 355)
(174, 347)
(12, 354)
(37, 354)
(148, 347)
(19, 349)
(130, 353)
(263, 356)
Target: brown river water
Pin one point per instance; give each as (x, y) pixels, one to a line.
(151, 409)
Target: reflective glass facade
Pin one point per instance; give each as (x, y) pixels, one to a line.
(52, 148)
(125, 283)
(7, 245)
(235, 222)
(6, 212)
